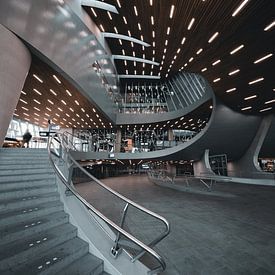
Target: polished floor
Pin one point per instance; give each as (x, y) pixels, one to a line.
(209, 234)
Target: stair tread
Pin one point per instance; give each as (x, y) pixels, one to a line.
(46, 262)
(29, 188)
(33, 241)
(33, 207)
(84, 265)
(33, 225)
(29, 198)
(19, 177)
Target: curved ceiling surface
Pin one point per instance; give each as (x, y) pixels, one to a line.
(231, 43)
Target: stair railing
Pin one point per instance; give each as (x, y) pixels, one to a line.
(63, 153)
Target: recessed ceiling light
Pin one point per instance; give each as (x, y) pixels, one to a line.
(135, 9)
(250, 97)
(172, 11)
(37, 109)
(76, 102)
(217, 79)
(109, 15)
(68, 92)
(23, 101)
(191, 23)
(234, 72)
(204, 69)
(230, 90)
(118, 3)
(266, 109)
(94, 13)
(56, 78)
(270, 101)
(39, 79)
(216, 62)
(37, 92)
(256, 81)
(199, 51)
(36, 101)
(240, 7)
(263, 58)
(268, 27)
(152, 20)
(64, 102)
(211, 39)
(236, 49)
(50, 101)
(53, 92)
(24, 108)
(23, 92)
(183, 40)
(246, 108)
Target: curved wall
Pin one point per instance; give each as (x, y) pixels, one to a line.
(62, 39)
(15, 61)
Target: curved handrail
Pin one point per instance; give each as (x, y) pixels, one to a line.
(145, 248)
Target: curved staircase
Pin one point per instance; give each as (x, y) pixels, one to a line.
(36, 236)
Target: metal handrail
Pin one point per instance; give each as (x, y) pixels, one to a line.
(144, 247)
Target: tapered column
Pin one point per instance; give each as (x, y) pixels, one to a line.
(15, 61)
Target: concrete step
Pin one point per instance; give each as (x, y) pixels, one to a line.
(17, 178)
(54, 260)
(22, 250)
(24, 166)
(24, 214)
(11, 193)
(89, 264)
(24, 229)
(22, 151)
(32, 150)
(44, 169)
(16, 203)
(17, 186)
(20, 161)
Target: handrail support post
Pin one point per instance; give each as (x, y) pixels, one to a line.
(115, 250)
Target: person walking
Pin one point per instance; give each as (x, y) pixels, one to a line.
(26, 138)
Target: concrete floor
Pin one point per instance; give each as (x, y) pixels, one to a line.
(209, 234)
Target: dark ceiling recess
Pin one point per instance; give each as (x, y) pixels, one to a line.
(184, 42)
(44, 98)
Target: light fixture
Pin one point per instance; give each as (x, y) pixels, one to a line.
(256, 81)
(236, 49)
(199, 51)
(246, 108)
(39, 79)
(216, 62)
(268, 27)
(240, 7)
(53, 92)
(250, 97)
(152, 20)
(266, 109)
(37, 92)
(56, 78)
(191, 23)
(68, 92)
(211, 39)
(217, 79)
(204, 69)
(263, 58)
(234, 72)
(267, 102)
(230, 90)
